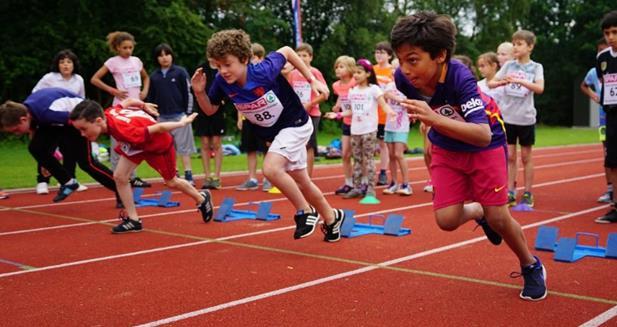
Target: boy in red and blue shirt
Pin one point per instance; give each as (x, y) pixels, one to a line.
(468, 140)
(140, 138)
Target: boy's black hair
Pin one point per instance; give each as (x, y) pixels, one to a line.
(163, 47)
(385, 46)
(88, 110)
(609, 20)
(63, 54)
(427, 30)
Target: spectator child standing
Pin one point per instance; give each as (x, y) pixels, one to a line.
(132, 81)
(521, 78)
(384, 72)
(606, 69)
(364, 99)
(504, 53)
(170, 91)
(488, 65)
(309, 98)
(397, 132)
(344, 68)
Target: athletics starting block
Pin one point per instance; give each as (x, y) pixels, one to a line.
(568, 249)
(163, 201)
(392, 226)
(227, 213)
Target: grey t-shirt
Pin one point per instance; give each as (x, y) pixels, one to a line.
(517, 105)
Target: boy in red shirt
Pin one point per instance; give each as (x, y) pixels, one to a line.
(139, 138)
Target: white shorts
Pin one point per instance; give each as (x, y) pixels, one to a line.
(291, 142)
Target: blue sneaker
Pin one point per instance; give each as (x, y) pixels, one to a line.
(534, 275)
(66, 190)
(248, 185)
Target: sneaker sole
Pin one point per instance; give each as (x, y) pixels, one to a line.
(128, 231)
(526, 298)
(247, 188)
(339, 233)
(309, 233)
(600, 221)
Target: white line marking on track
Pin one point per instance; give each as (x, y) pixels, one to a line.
(601, 318)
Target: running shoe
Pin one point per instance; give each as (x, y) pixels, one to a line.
(606, 198)
(609, 218)
(305, 223)
(343, 189)
(206, 207)
(128, 226)
(383, 178)
(391, 189)
(42, 188)
(405, 190)
(354, 193)
(248, 185)
(66, 190)
(534, 276)
(527, 199)
(82, 188)
(511, 199)
(3, 195)
(428, 188)
(138, 182)
(266, 185)
(332, 232)
(492, 236)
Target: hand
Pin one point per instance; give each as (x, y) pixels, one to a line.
(120, 94)
(239, 124)
(320, 88)
(151, 108)
(142, 95)
(392, 115)
(420, 110)
(188, 119)
(330, 115)
(595, 98)
(132, 103)
(198, 81)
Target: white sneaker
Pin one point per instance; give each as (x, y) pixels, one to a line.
(405, 190)
(428, 187)
(41, 188)
(393, 188)
(82, 188)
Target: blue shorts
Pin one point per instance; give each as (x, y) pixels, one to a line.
(395, 137)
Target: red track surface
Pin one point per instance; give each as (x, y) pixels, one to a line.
(60, 265)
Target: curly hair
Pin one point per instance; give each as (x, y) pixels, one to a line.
(229, 42)
(114, 39)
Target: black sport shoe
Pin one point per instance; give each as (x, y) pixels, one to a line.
(128, 226)
(305, 223)
(332, 232)
(138, 182)
(65, 190)
(534, 275)
(206, 207)
(492, 236)
(609, 218)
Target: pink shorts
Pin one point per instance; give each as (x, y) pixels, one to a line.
(469, 176)
(163, 163)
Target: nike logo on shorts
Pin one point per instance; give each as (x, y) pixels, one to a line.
(497, 189)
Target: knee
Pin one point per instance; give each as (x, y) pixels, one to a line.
(526, 159)
(173, 183)
(446, 224)
(269, 171)
(120, 179)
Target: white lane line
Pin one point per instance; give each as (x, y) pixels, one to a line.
(601, 318)
(362, 270)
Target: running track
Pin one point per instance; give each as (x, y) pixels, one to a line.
(60, 265)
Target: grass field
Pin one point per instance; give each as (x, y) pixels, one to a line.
(19, 168)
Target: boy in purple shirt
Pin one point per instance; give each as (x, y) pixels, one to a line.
(262, 95)
(467, 135)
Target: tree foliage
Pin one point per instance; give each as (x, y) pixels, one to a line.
(34, 30)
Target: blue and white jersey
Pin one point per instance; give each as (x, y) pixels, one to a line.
(51, 106)
(266, 99)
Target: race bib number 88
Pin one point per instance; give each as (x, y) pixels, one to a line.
(264, 111)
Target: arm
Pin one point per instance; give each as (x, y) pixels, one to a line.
(535, 87)
(239, 122)
(475, 134)
(150, 108)
(168, 126)
(198, 83)
(295, 60)
(97, 81)
(385, 107)
(146, 84)
(496, 83)
(589, 92)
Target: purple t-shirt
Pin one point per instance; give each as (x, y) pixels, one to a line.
(457, 97)
(266, 99)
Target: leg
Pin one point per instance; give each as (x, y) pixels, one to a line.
(451, 217)
(512, 167)
(502, 222)
(274, 168)
(526, 158)
(41, 146)
(393, 161)
(369, 160)
(122, 176)
(313, 194)
(251, 159)
(79, 148)
(310, 160)
(356, 150)
(205, 155)
(218, 155)
(346, 149)
(185, 187)
(399, 154)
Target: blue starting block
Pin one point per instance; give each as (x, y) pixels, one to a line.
(568, 249)
(392, 226)
(227, 213)
(163, 201)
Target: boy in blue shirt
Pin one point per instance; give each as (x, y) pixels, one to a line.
(262, 95)
(467, 136)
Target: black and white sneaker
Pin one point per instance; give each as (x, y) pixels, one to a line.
(492, 235)
(128, 226)
(66, 190)
(206, 207)
(332, 232)
(305, 223)
(138, 182)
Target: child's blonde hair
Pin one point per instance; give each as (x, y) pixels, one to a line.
(505, 46)
(114, 39)
(258, 50)
(348, 62)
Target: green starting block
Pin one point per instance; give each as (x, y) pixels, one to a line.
(227, 213)
(164, 200)
(391, 226)
(568, 249)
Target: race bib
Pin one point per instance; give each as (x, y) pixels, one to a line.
(345, 103)
(132, 79)
(303, 90)
(450, 112)
(128, 150)
(610, 89)
(264, 111)
(516, 89)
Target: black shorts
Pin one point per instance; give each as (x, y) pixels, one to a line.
(526, 135)
(381, 131)
(249, 141)
(205, 125)
(312, 142)
(346, 129)
(610, 161)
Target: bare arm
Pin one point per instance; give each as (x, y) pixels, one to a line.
(146, 84)
(535, 87)
(475, 134)
(198, 83)
(168, 126)
(97, 81)
(295, 60)
(589, 92)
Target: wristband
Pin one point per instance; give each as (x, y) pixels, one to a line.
(339, 115)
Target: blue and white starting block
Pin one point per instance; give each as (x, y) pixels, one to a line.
(163, 201)
(391, 226)
(568, 249)
(227, 213)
